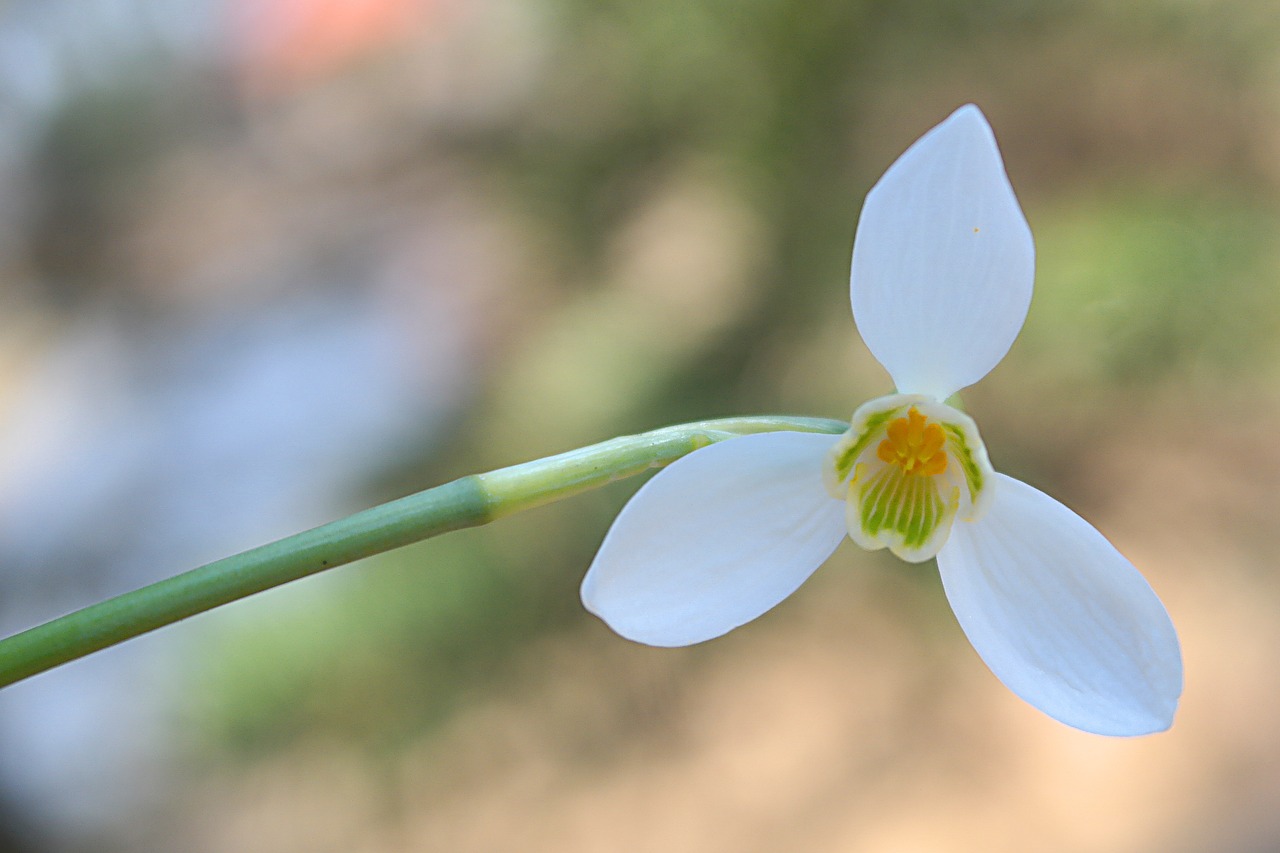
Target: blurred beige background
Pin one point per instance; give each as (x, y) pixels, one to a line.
(266, 262)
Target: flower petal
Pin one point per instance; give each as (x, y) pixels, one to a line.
(1061, 617)
(943, 261)
(717, 538)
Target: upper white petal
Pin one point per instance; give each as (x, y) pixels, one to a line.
(1061, 617)
(943, 261)
(717, 538)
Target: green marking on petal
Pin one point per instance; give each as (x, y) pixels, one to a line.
(961, 452)
(872, 431)
(914, 533)
(899, 509)
(875, 498)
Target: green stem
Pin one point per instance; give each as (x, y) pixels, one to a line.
(467, 502)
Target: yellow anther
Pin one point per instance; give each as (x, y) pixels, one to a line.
(914, 444)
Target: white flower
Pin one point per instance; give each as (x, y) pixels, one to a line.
(942, 273)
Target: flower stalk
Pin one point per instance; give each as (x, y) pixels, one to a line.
(467, 502)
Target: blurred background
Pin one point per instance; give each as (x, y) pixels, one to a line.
(267, 262)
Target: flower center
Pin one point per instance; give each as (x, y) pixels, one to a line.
(907, 468)
(915, 445)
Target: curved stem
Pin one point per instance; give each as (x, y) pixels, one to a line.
(467, 502)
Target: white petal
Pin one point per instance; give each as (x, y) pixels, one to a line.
(1061, 617)
(943, 261)
(716, 539)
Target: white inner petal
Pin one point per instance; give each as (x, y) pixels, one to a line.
(911, 514)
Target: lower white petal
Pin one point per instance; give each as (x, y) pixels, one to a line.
(715, 539)
(1061, 617)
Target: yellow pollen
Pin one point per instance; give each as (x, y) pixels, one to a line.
(915, 445)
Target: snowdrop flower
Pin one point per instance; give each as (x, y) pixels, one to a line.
(942, 273)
